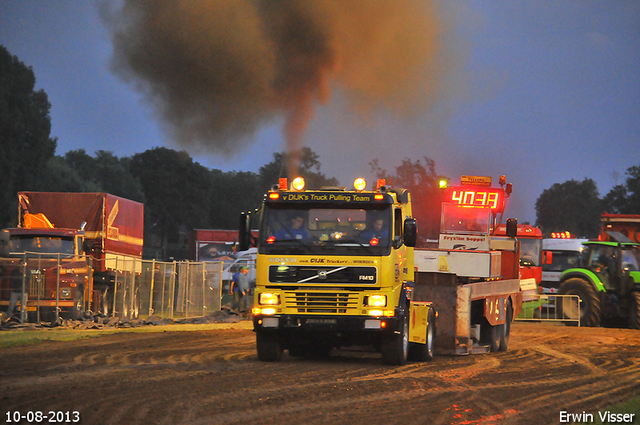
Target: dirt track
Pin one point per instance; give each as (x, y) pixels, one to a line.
(213, 376)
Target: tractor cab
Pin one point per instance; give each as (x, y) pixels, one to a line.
(608, 283)
(612, 262)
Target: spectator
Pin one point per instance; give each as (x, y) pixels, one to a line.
(239, 290)
(16, 294)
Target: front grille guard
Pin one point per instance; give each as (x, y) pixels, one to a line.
(321, 302)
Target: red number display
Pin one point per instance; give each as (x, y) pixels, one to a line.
(477, 197)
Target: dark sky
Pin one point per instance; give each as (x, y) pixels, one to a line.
(542, 92)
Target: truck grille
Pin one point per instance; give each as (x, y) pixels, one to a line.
(36, 285)
(323, 275)
(321, 302)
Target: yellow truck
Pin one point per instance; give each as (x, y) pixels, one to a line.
(339, 268)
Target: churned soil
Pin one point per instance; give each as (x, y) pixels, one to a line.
(213, 376)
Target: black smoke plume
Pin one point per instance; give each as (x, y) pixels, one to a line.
(216, 71)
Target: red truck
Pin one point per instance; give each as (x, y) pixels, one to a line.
(625, 224)
(68, 251)
(531, 258)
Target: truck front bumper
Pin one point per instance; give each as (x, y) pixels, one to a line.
(328, 324)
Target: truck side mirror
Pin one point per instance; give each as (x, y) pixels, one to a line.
(244, 231)
(4, 243)
(410, 234)
(512, 227)
(547, 257)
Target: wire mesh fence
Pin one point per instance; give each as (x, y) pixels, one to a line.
(42, 287)
(552, 308)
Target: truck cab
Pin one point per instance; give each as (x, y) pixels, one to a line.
(48, 265)
(563, 254)
(334, 268)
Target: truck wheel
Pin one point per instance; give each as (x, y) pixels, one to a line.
(590, 308)
(78, 306)
(269, 346)
(490, 335)
(506, 329)
(424, 352)
(395, 347)
(634, 314)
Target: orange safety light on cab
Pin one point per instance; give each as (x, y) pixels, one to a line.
(359, 184)
(380, 183)
(298, 183)
(283, 184)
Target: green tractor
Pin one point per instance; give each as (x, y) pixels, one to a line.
(608, 284)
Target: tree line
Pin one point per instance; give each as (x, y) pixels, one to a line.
(576, 206)
(180, 195)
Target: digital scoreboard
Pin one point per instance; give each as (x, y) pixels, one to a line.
(479, 197)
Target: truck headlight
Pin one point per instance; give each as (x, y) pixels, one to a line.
(377, 301)
(65, 292)
(268, 298)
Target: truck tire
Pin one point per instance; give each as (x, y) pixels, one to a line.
(395, 347)
(506, 329)
(491, 335)
(78, 306)
(590, 311)
(424, 352)
(634, 313)
(269, 346)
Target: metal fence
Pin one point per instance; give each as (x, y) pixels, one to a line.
(552, 308)
(174, 290)
(136, 289)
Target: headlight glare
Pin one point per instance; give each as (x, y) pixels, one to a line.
(269, 298)
(377, 301)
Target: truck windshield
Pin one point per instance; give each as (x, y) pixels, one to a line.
(319, 229)
(457, 220)
(530, 250)
(562, 260)
(41, 244)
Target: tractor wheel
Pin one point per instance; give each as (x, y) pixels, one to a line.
(395, 347)
(590, 310)
(634, 314)
(269, 346)
(506, 330)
